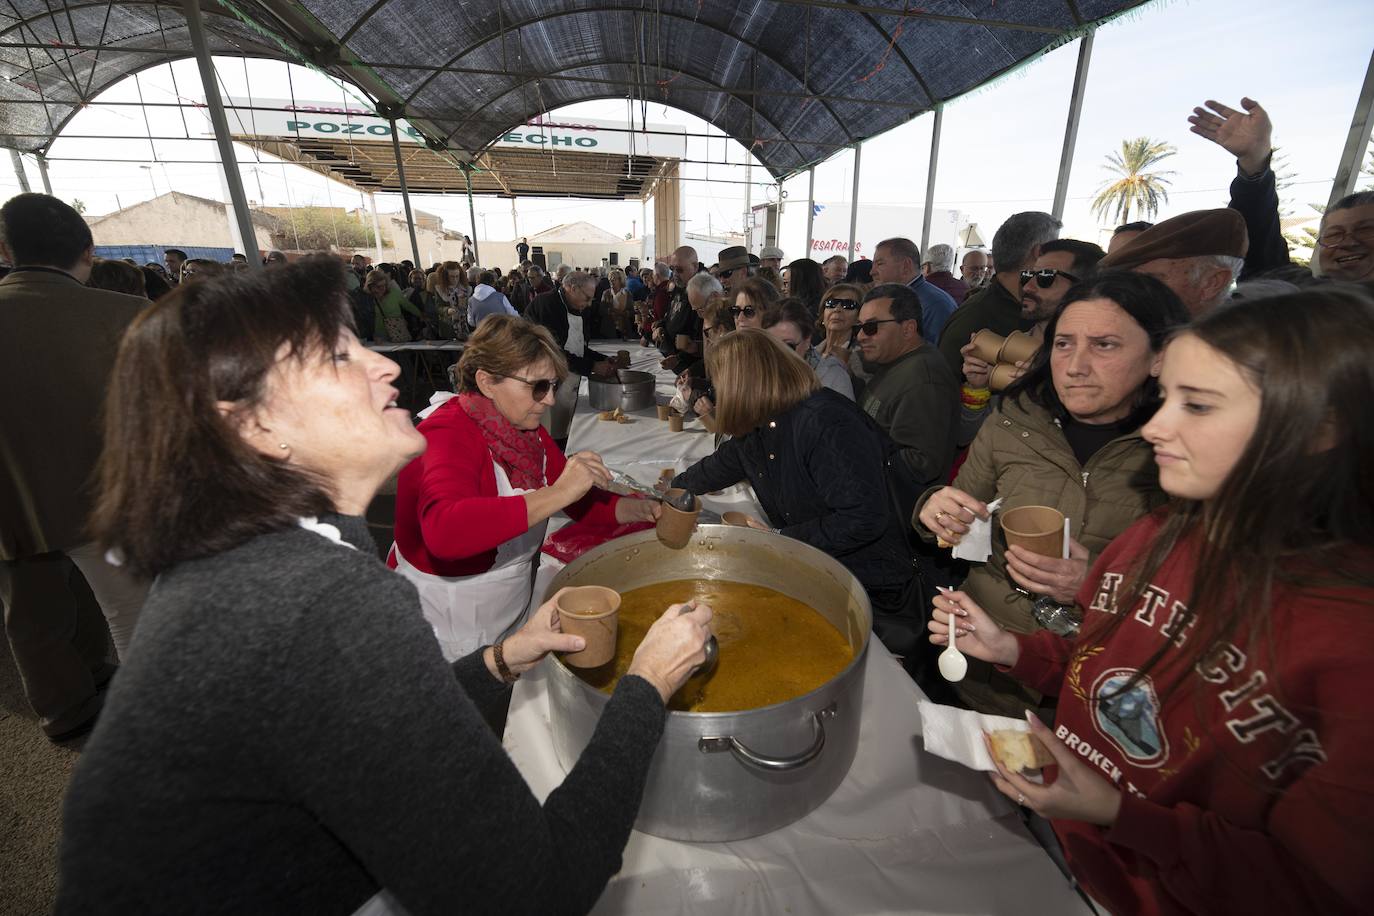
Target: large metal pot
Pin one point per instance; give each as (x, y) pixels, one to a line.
(630, 390)
(727, 776)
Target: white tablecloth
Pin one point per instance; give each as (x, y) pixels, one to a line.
(905, 833)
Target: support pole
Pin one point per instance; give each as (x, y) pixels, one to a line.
(19, 170)
(810, 206)
(377, 230)
(854, 201)
(1357, 141)
(749, 206)
(472, 214)
(43, 173)
(644, 246)
(401, 177)
(930, 177)
(229, 164)
(1080, 85)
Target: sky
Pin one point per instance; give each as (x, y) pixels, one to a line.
(1000, 146)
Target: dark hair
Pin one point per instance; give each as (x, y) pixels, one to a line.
(763, 295)
(43, 231)
(793, 310)
(1138, 226)
(1287, 513)
(902, 248)
(155, 284)
(860, 271)
(1085, 256)
(1018, 237)
(806, 281)
(489, 278)
(906, 305)
(119, 276)
(1151, 304)
(1350, 201)
(176, 251)
(177, 480)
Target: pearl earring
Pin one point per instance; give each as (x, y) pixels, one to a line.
(282, 445)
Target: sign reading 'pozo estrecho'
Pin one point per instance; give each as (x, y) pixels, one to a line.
(285, 118)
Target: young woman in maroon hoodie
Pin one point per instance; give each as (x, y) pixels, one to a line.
(1214, 749)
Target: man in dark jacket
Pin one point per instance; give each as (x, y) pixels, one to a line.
(1015, 247)
(561, 312)
(60, 342)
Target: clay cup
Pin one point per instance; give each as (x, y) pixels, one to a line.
(664, 411)
(1001, 376)
(1039, 529)
(1019, 347)
(987, 344)
(675, 422)
(592, 612)
(736, 519)
(622, 359)
(675, 527)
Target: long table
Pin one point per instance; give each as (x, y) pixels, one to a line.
(905, 833)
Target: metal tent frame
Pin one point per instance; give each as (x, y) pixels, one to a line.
(794, 81)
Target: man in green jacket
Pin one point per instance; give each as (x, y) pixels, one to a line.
(912, 394)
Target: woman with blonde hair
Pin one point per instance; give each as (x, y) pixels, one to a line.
(816, 462)
(471, 511)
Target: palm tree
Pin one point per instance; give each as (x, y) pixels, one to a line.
(1137, 188)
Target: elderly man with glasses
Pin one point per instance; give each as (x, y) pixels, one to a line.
(561, 312)
(1345, 245)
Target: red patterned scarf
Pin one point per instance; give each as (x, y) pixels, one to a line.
(518, 451)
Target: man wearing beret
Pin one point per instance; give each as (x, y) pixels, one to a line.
(1198, 255)
(771, 256)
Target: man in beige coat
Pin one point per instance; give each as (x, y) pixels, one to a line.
(59, 340)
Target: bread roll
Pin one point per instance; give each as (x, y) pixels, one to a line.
(1018, 750)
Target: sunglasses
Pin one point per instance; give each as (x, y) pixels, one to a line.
(725, 274)
(870, 327)
(848, 305)
(747, 311)
(539, 387)
(1044, 278)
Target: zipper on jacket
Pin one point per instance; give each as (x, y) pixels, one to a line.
(1085, 480)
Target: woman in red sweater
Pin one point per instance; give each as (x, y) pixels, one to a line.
(471, 511)
(1213, 749)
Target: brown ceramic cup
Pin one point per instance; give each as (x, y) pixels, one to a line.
(592, 612)
(987, 344)
(622, 358)
(1039, 529)
(1019, 347)
(664, 411)
(736, 519)
(675, 527)
(675, 422)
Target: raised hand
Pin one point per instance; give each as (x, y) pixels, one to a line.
(1247, 135)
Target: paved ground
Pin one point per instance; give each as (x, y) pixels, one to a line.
(33, 776)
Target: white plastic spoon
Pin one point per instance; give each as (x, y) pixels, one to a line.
(953, 665)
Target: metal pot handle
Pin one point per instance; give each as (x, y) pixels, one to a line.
(775, 764)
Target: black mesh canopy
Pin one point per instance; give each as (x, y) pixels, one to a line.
(792, 80)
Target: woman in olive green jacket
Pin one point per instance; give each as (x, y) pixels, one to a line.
(1066, 435)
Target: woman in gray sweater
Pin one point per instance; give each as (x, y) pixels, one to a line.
(286, 736)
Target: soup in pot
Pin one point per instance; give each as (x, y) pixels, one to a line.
(772, 648)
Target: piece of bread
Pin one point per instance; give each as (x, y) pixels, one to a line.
(1018, 750)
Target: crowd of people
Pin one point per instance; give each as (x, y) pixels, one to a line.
(1193, 404)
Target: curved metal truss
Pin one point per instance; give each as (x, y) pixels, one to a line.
(791, 80)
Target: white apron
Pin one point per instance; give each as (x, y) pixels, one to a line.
(468, 612)
(558, 418)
